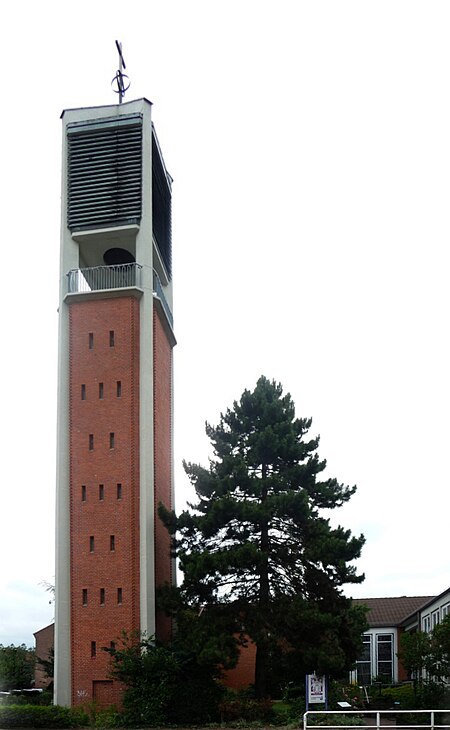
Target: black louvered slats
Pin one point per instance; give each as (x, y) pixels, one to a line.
(104, 176)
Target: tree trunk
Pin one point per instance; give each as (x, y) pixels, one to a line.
(262, 644)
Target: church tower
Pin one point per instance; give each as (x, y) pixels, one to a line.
(114, 450)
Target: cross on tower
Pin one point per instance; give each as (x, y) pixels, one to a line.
(119, 78)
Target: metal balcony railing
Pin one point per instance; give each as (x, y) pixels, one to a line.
(120, 276)
(97, 278)
(159, 291)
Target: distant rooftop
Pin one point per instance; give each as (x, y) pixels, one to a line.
(390, 611)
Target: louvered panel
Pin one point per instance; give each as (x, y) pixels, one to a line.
(104, 176)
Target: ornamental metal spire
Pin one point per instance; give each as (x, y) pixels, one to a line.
(120, 82)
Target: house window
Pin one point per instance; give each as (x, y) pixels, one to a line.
(93, 649)
(112, 645)
(91, 442)
(83, 391)
(111, 338)
(112, 543)
(119, 491)
(83, 493)
(111, 440)
(364, 663)
(119, 595)
(84, 597)
(91, 544)
(426, 624)
(434, 618)
(91, 340)
(119, 388)
(101, 492)
(100, 391)
(385, 655)
(446, 610)
(102, 596)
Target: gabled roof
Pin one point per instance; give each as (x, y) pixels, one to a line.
(390, 611)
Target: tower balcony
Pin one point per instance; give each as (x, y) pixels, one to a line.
(112, 279)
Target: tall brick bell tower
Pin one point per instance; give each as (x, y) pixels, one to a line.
(114, 454)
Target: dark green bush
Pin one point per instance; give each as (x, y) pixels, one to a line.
(24, 716)
(28, 698)
(242, 706)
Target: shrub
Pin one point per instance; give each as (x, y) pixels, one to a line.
(24, 716)
(241, 706)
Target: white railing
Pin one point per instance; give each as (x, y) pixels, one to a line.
(374, 718)
(97, 278)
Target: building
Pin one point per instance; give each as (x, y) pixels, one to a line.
(44, 641)
(114, 449)
(388, 618)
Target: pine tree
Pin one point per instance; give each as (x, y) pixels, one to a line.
(256, 542)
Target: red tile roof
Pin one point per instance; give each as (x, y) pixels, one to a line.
(390, 611)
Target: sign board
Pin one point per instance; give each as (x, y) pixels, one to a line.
(316, 689)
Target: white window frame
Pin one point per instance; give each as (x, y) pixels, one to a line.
(445, 610)
(426, 623)
(434, 618)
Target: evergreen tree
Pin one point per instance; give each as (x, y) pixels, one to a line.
(256, 542)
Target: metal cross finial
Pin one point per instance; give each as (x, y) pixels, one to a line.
(119, 79)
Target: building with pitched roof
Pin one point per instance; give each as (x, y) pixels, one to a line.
(388, 618)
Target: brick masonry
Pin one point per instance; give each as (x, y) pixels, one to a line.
(99, 512)
(104, 453)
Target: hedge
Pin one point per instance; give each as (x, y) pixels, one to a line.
(54, 716)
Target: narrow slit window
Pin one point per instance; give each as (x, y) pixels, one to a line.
(100, 391)
(119, 595)
(102, 596)
(111, 338)
(83, 493)
(83, 391)
(91, 442)
(101, 492)
(91, 544)
(93, 649)
(112, 543)
(119, 388)
(111, 440)
(84, 598)
(91, 340)
(119, 491)
(112, 645)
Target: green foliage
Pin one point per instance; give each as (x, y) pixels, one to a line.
(439, 661)
(336, 719)
(16, 667)
(48, 665)
(427, 696)
(24, 716)
(414, 650)
(242, 706)
(422, 653)
(255, 546)
(164, 685)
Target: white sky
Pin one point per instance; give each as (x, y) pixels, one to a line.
(310, 148)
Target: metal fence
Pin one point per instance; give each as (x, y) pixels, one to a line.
(377, 719)
(97, 278)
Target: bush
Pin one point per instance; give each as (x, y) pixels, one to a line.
(164, 686)
(24, 716)
(242, 706)
(338, 719)
(28, 698)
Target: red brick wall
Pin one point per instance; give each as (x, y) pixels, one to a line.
(244, 672)
(103, 568)
(45, 640)
(162, 384)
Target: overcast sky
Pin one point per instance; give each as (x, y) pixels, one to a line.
(309, 144)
